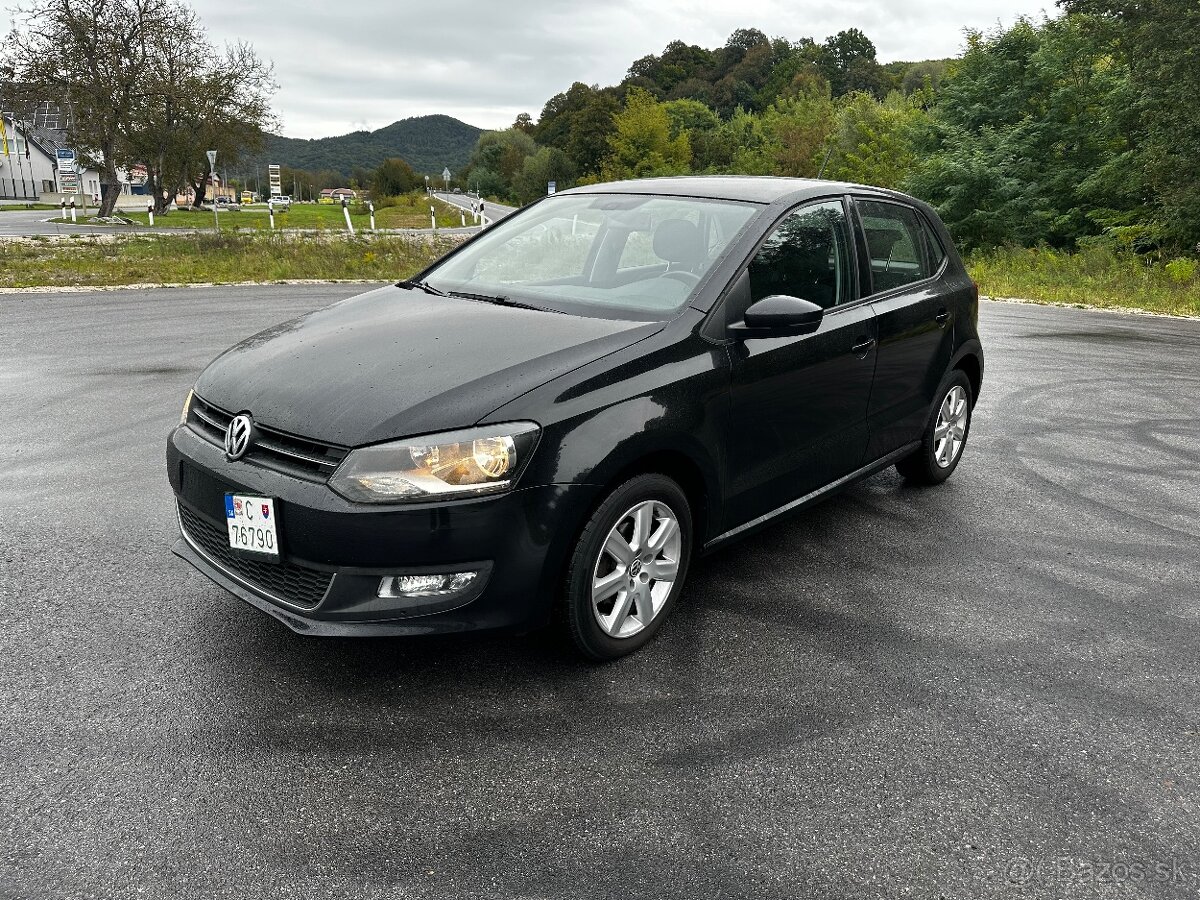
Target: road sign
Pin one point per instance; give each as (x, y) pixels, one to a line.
(446, 175)
(65, 157)
(212, 161)
(551, 187)
(68, 183)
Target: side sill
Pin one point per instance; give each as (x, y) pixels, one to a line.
(813, 496)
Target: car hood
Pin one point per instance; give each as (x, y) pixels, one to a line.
(397, 362)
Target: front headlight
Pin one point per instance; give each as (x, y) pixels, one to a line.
(187, 406)
(464, 463)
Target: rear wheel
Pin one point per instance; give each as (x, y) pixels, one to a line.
(628, 568)
(945, 433)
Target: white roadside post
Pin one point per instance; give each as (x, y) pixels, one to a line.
(346, 213)
(64, 209)
(483, 222)
(271, 212)
(371, 210)
(212, 166)
(72, 210)
(150, 211)
(463, 216)
(432, 219)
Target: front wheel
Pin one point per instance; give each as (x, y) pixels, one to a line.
(628, 567)
(945, 433)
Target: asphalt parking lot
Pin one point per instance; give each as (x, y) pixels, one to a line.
(987, 689)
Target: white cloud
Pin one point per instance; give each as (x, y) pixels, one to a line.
(342, 67)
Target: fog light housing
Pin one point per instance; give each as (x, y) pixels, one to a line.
(439, 585)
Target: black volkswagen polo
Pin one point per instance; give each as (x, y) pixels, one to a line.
(551, 421)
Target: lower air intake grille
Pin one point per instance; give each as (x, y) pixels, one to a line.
(298, 585)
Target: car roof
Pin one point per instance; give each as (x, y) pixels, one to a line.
(755, 188)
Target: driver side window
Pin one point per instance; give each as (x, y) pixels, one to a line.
(806, 256)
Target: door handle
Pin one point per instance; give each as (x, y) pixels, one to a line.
(942, 317)
(863, 346)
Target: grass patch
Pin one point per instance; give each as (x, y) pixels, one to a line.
(1091, 277)
(25, 207)
(196, 258)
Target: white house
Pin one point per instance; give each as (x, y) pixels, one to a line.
(30, 164)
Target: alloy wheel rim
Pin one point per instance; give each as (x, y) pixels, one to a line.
(637, 567)
(950, 430)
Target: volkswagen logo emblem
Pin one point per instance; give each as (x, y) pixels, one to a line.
(237, 436)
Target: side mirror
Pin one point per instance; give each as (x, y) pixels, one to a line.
(778, 316)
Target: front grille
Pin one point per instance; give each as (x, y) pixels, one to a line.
(297, 585)
(302, 457)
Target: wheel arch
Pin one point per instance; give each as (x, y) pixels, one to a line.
(969, 360)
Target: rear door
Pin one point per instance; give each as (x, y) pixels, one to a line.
(902, 261)
(799, 404)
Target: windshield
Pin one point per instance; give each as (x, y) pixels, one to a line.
(619, 256)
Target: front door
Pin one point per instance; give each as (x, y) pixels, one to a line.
(799, 404)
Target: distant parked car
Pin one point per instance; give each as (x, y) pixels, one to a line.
(458, 190)
(551, 421)
(281, 201)
(230, 203)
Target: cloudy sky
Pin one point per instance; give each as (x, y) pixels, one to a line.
(366, 63)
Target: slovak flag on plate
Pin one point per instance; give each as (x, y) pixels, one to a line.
(266, 511)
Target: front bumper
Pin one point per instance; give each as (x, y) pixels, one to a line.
(335, 552)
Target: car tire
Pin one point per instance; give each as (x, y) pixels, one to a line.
(613, 604)
(949, 420)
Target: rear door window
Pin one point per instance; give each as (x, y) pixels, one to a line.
(895, 245)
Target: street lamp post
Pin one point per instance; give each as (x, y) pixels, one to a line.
(212, 167)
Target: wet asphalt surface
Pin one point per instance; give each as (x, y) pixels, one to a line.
(987, 689)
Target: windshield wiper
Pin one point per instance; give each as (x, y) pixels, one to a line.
(423, 286)
(499, 301)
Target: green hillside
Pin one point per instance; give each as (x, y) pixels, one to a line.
(427, 143)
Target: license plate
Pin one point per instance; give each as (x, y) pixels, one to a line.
(251, 522)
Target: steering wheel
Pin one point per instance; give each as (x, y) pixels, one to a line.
(686, 277)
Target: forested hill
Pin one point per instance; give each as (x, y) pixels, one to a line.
(427, 143)
(1074, 131)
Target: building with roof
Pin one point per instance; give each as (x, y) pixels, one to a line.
(37, 164)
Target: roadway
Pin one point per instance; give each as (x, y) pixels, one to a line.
(493, 211)
(978, 690)
(30, 222)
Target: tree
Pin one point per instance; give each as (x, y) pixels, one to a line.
(524, 122)
(501, 154)
(873, 142)
(90, 56)
(194, 100)
(394, 177)
(800, 128)
(548, 164)
(641, 143)
(849, 64)
(1030, 118)
(141, 84)
(1156, 40)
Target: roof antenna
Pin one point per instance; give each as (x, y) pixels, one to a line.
(828, 154)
